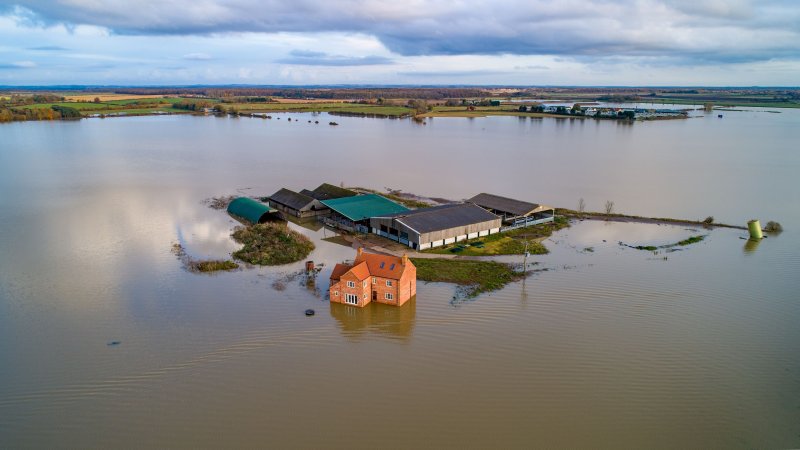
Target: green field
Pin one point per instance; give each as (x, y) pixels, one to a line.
(477, 277)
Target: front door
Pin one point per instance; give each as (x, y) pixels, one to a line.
(374, 295)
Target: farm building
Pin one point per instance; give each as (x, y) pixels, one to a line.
(250, 210)
(297, 204)
(374, 278)
(353, 213)
(515, 213)
(439, 225)
(326, 191)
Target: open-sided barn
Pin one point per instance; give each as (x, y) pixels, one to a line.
(439, 225)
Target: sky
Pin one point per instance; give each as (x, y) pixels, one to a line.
(413, 42)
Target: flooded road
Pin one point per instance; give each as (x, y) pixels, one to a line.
(602, 346)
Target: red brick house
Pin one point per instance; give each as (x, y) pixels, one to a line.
(374, 278)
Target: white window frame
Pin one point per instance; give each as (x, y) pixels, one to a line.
(374, 280)
(365, 295)
(364, 284)
(351, 299)
(389, 283)
(335, 293)
(351, 284)
(388, 296)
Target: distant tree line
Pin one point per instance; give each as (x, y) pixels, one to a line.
(301, 93)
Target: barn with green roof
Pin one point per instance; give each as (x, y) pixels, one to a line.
(250, 210)
(356, 210)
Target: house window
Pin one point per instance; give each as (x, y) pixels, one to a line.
(374, 280)
(351, 299)
(351, 284)
(365, 295)
(389, 283)
(388, 296)
(364, 284)
(335, 293)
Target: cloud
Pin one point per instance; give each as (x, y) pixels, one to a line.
(48, 48)
(197, 56)
(18, 65)
(314, 58)
(715, 30)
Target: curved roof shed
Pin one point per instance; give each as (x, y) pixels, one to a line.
(249, 209)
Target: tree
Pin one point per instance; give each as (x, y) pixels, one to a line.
(609, 207)
(576, 109)
(97, 99)
(523, 108)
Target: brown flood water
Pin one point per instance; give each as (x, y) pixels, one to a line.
(607, 348)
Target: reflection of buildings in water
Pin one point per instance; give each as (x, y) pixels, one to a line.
(389, 320)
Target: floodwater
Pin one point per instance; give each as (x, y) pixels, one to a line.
(603, 346)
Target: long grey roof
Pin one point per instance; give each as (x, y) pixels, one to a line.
(505, 204)
(292, 199)
(425, 220)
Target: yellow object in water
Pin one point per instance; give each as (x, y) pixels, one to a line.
(754, 226)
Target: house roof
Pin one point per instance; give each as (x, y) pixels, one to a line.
(362, 207)
(436, 218)
(508, 205)
(372, 265)
(294, 200)
(384, 266)
(327, 191)
(249, 209)
(339, 270)
(360, 270)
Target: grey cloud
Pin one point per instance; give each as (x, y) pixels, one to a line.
(712, 30)
(312, 58)
(197, 56)
(453, 73)
(48, 48)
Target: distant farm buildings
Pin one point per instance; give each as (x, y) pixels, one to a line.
(307, 203)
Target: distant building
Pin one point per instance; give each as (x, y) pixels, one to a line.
(435, 226)
(373, 278)
(514, 212)
(326, 191)
(297, 204)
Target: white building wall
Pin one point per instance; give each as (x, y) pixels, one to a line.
(472, 235)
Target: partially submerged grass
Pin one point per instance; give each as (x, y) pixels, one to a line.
(212, 265)
(477, 277)
(688, 241)
(271, 244)
(202, 265)
(505, 243)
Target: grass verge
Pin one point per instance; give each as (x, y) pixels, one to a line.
(477, 277)
(271, 244)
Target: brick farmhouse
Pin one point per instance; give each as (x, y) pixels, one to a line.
(374, 278)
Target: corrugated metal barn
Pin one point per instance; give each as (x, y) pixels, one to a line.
(439, 225)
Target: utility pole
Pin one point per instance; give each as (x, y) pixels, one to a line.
(525, 261)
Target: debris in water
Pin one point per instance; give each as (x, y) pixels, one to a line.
(113, 343)
(309, 312)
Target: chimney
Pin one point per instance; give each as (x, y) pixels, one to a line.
(359, 252)
(404, 260)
